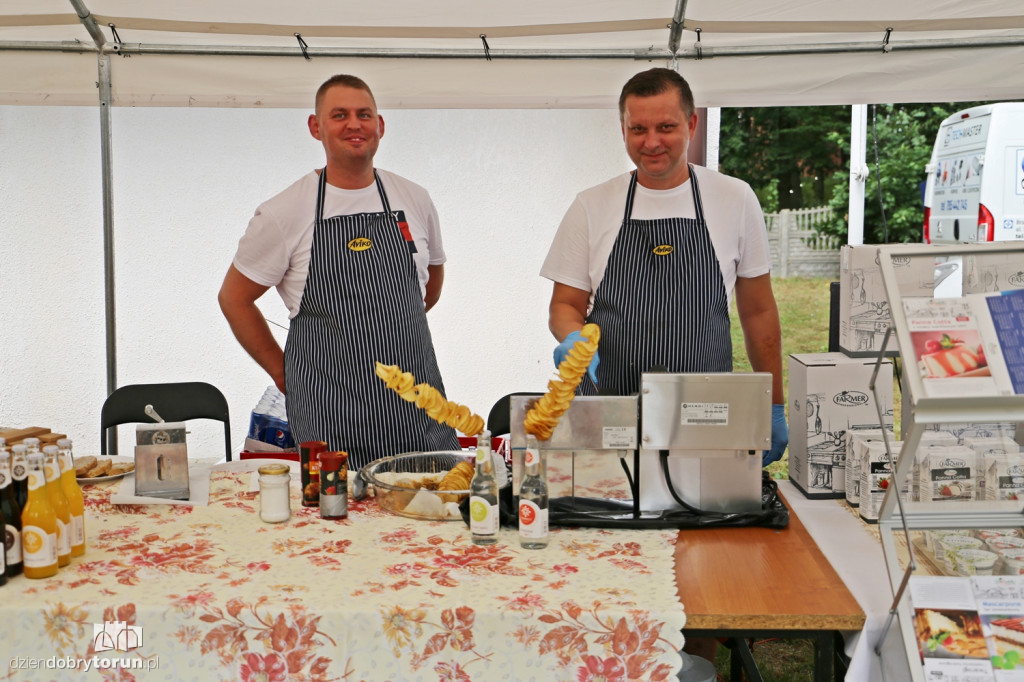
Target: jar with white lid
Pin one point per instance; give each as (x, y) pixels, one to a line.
(275, 501)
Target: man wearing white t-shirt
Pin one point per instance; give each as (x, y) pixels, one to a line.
(356, 255)
(654, 257)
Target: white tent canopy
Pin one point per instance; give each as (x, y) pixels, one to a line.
(531, 53)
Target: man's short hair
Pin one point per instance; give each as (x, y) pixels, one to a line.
(341, 79)
(654, 82)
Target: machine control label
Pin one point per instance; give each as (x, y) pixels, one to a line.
(618, 438)
(704, 414)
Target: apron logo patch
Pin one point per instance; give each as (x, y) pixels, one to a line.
(663, 250)
(360, 244)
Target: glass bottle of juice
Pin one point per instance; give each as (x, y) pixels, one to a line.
(38, 525)
(60, 504)
(72, 491)
(12, 517)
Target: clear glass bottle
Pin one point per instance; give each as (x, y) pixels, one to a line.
(483, 495)
(60, 504)
(533, 498)
(12, 517)
(38, 525)
(72, 491)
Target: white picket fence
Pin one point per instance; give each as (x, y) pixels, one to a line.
(797, 250)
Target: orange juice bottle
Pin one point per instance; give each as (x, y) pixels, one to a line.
(72, 491)
(38, 525)
(60, 504)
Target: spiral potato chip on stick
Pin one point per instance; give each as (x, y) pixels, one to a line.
(430, 400)
(543, 417)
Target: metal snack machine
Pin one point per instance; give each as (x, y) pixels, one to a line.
(161, 460)
(709, 428)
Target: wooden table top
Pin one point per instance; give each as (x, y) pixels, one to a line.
(763, 579)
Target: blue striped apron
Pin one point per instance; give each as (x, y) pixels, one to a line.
(662, 302)
(362, 303)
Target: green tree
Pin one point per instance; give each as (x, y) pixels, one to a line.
(799, 156)
(900, 138)
(787, 154)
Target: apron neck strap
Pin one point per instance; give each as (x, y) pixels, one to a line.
(631, 193)
(321, 191)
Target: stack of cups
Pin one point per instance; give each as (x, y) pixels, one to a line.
(269, 421)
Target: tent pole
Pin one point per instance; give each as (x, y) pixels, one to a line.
(108, 230)
(858, 173)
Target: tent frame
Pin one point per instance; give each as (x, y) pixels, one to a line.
(671, 54)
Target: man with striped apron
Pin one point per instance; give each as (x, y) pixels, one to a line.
(361, 304)
(661, 302)
(657, 283)
(357, 282)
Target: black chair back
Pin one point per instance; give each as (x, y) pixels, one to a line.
(175, 402)
(500, 416)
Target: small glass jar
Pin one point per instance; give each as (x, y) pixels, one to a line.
(275, 500)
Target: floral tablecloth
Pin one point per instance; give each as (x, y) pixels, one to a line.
(212, 593)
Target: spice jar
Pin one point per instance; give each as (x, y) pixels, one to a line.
(333, 485)
(275, 503)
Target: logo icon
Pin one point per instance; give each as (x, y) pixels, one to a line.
(116, 635)
(663, 250)
(850, 399)
(478, 510)
(527, 514)
(360, 244)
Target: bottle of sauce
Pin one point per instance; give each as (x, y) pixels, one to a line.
(72, 491)
(333, 484)
(533, 499)
(38, 525)
(19, 473)
(60, 504)
(483, 495)
(12, 517)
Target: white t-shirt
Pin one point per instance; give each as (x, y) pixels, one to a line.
(579, 253)
(275, 249)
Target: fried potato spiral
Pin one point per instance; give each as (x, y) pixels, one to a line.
(430, 400)
(543, 417)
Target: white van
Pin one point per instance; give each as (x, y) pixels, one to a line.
(975, 186)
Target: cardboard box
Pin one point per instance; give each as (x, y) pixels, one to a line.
(863, 306)
(989, 272)
(829, 396)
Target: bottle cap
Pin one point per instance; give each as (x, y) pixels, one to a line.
(274, 469)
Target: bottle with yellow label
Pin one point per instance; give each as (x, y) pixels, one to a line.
(60, 504)
(72, 491)
(38, 525)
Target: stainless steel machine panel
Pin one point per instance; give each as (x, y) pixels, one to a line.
(590, 423)
(706, 412)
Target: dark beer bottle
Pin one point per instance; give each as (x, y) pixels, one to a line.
(19, 472)
(11, 512)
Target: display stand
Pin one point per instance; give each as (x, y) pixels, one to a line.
(939, 402)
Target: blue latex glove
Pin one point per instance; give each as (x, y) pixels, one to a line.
(562, 349)
(780, 436)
